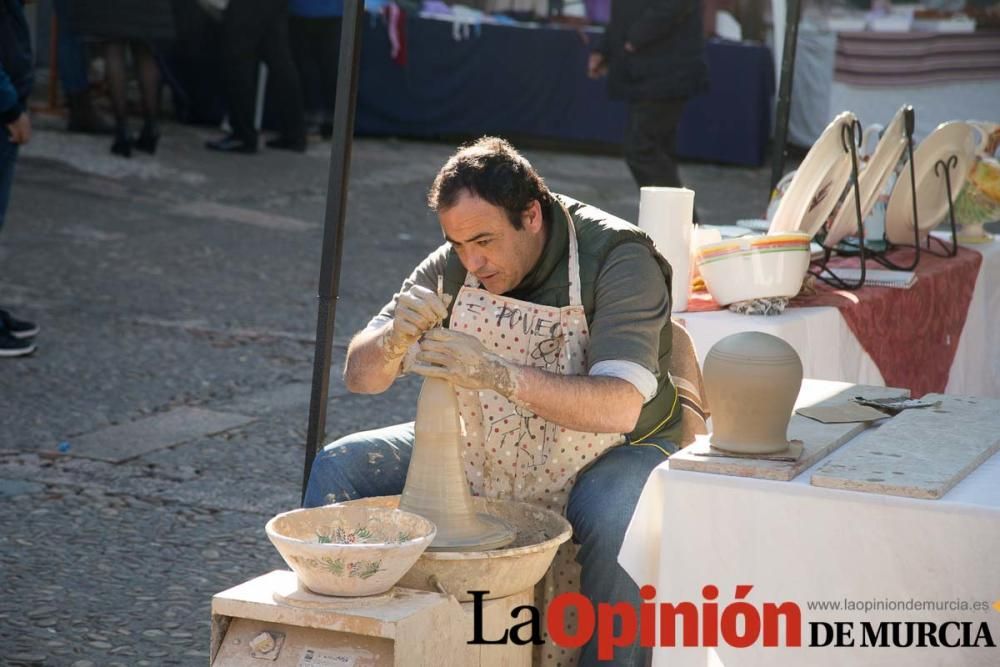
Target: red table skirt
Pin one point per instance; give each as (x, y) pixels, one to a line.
(910, 334)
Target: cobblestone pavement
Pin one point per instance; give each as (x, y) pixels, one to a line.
(162, 419)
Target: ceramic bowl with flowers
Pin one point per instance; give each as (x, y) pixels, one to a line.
(349, 551)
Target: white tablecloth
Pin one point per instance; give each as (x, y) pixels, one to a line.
(830, 351)
(795, 542)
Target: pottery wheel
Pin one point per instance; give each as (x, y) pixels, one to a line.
(303, 598)
(491, 533)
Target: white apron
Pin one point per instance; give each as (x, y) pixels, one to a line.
(510, 452)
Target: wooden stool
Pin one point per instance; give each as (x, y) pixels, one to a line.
(271, 621)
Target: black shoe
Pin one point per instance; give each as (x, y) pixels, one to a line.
(15, 327)
(14, 347)
(286, 145)
(326, 129)
(147, 141)
(230, 144)
(122, 146)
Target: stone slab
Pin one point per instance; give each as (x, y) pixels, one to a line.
(127, 441)
(209, 210)
(16, 487)
(284, 397)
(919, 453)
(818, 439)
(281, 398)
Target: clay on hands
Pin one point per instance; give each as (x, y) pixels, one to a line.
(462, 360)
(417, 310)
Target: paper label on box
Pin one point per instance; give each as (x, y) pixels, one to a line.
(345, 657)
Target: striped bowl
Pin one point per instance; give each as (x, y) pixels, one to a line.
(754, 267)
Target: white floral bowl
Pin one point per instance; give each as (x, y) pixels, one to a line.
(349, 551)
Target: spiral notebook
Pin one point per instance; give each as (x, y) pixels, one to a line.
(880, 277)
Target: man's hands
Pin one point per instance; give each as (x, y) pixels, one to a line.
(462, 360)
(20, 129)
(597, 65)
(417, 311)
(577, 402)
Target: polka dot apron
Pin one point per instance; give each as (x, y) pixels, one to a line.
(509, 452)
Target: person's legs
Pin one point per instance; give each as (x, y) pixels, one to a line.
(148, 73)
(15, 334)
(328, 44)
(650, 138)
(600, 508)
(361, 465)
(281, 71)
(244, 25)
(74, 64)
(8, 156)
(306, 65)
(117, 77)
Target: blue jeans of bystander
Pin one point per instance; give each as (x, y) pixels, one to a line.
(8, 156)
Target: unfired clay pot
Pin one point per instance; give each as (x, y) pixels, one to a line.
(751, 381)
(436, 487)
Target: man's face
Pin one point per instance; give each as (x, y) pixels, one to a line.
(489, 246)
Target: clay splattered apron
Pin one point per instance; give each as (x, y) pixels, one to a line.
(510, 452)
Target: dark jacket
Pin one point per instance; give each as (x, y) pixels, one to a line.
(16, 68)
(669, 57)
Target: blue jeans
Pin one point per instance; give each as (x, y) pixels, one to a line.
(601, 503)
(72, 53)
(8, 155)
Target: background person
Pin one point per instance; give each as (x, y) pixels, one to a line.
(314, 29)
(255, 31)
(16, 80)
(74, 66)
(129, 26)
(653, 56)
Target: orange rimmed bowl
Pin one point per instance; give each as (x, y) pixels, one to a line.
(755, 267)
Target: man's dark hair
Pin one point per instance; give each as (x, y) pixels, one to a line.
(491, 169)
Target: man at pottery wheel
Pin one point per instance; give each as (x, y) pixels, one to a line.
(551, 318)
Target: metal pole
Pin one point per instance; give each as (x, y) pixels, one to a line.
(785, 91)
(333, 227)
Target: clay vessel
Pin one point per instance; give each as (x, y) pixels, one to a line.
(501, 572)
(349, 551)
(436, 487)
(751, 381)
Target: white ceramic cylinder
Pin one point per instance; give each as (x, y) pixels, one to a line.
(665, 214)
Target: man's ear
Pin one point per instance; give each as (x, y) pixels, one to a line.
(532, 218)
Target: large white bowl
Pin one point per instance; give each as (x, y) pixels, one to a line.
(501, 572)
(754, 267)
(349, 551)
